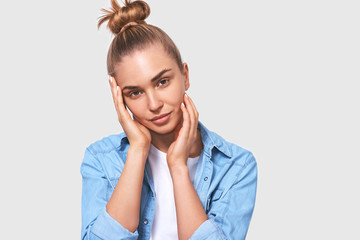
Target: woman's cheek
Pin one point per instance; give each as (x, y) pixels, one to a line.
(135, 111)
(175, 93)
(178, 99)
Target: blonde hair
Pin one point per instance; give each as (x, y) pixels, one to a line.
(131, 32)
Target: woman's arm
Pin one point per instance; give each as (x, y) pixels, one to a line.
(124, 204)
(97, 223)
(231, 222)
(231, 209)
(189, 211)
(119, 217)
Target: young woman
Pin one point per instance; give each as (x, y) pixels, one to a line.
(166, 176)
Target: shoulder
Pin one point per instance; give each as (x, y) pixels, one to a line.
(107, 144)
(224, 151)
(231, 164)
(234, 152)
(106, 155)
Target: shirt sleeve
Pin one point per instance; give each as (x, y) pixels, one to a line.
(230, 212)
(96, 222)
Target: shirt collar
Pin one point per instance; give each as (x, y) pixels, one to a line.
(209, 139)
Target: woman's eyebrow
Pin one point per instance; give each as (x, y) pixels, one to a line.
(156, 77)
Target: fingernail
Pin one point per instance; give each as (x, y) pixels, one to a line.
(186, 95)
(110, 79)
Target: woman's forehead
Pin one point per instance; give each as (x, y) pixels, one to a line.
(144, 64)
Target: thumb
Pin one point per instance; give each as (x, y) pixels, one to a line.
(177, 129)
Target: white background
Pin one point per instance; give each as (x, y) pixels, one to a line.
(280, 78)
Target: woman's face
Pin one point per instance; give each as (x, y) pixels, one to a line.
(153, 87)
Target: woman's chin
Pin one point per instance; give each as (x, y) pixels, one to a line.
(163, 129)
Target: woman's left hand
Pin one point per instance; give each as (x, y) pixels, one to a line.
(186, 134)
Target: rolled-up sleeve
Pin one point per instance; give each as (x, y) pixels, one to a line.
(96, 222)
(230, 215)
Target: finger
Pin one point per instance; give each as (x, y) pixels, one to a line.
(190, 110)
(118, 96)
(193, 106)
(196, 114)
(177, 129)
(193, 116)
(185, 129)
(120, 104)
(113, 91)
(118, 100)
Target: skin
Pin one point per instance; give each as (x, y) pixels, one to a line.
(149, 83)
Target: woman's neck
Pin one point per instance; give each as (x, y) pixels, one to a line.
(163, 142)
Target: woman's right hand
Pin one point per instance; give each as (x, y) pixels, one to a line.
(137, 134)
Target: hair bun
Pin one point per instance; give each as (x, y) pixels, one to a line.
(118, 16)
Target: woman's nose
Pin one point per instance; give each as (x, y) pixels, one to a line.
(155, 104)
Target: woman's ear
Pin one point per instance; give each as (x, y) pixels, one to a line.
(186, 76)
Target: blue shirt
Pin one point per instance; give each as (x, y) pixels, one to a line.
(225, 181)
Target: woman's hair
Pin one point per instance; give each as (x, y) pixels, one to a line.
(131, 32)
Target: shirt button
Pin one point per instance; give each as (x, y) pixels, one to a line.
(146, 222)
(206, 178)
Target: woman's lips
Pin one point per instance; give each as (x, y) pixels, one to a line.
(161, 119)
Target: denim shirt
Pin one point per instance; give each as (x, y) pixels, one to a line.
(225, 181)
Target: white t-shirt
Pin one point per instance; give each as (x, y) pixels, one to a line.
(165, 224)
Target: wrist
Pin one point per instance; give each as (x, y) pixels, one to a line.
(143, 148)
(140, 145)
(179, 170)
(139, 151)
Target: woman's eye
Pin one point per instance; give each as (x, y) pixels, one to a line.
(163, 82)
(135, 94)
